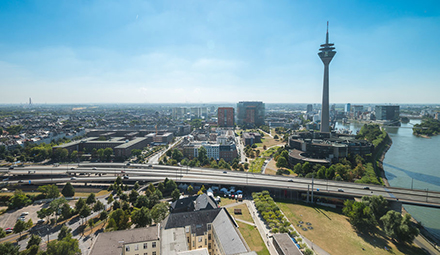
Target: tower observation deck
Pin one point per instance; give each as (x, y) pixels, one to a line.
(326, 53)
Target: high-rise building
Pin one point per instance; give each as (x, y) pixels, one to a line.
(250, 113)
(387, 112)
(225, 116)
(326, 53)
(347, 107)
(309, 108)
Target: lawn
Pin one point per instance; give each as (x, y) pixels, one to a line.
(253, 238)
(226, 201)
(332, 232)
(245, 215)
(255, 166)
(86, 194)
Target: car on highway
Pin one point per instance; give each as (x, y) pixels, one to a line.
(72, 168)
(122, 171)
(225, 172)
(6, 179)
(128, 164)
(290, 180)
(94, 168)
(366, 187)
(20, 181)
(340, 190)
(126, 177)
(73, 178)
(11, 168)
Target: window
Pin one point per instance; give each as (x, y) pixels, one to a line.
(209, 236)
(209, 226)
(127, 248)
(206, 241)
(154, 245)
(136, 247)
(209, 246)
(154, 253)
(145, 253)
(200, 239)
(194, 243)
(145, 246)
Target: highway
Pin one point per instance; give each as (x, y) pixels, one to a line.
(141, 172)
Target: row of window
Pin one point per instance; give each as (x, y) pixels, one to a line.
(136, 246)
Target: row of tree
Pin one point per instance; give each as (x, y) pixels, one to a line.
(373, 212)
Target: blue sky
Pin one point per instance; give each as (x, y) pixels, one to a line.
(218, 51)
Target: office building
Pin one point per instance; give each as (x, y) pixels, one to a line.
(348, 108)
(387, 112)
(309, 108)
(250, 113)
(225, 117)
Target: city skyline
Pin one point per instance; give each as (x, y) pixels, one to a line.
(208, 52)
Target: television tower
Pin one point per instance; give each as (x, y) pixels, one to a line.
(326, 53)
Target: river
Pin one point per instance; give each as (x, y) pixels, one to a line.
(412, 162)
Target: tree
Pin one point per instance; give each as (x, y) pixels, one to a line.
(282, 162)
(399, 228)
(108, 152)
(202, 155)
(34, 240)
(44, 212)
(67, 246)
(85, 211)
(19, 199)
(116, 205)
(170, 185)
(9, 248)
(103, 216)
(91, 224)
(175, 194)
(19, 227)
(91, 199)
(56, 205)
(359, 214)
(136, 152)
(80, 204)
(49, 191)
(190, 189)
(2, 233)
(110, 199)
(276, 137)
(377, 204)
(141, 217)
(142, 201)
(98, 206)
(177, 155)
(68, 190)
(60, 154)
(159, 212)
(133, 196)
(29, 224)
(121, 219)
(66, 211)
(64, 232)
(136, 186)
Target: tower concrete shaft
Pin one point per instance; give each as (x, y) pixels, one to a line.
(326, 53)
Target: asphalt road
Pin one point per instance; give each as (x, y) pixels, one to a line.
(138, 172)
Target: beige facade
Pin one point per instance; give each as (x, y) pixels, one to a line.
(142, 248)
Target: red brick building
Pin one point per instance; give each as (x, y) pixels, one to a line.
(225, 116)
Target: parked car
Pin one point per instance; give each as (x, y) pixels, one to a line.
(9, 230)
(41, 221)
(24, 213)
(21, 218)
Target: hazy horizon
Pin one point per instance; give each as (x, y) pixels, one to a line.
(195, 52)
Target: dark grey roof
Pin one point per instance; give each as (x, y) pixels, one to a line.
(205, 202)
(183, 205)
(198, 220)
(230, 240)
(110, 243)
(285, 243)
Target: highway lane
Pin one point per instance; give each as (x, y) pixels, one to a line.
(215, 176)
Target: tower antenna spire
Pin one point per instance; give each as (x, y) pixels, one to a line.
(326, 37)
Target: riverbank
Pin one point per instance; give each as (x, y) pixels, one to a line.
(431, 239)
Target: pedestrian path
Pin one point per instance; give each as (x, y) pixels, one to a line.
(245, 222)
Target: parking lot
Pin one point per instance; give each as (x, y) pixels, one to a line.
(8, 219)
